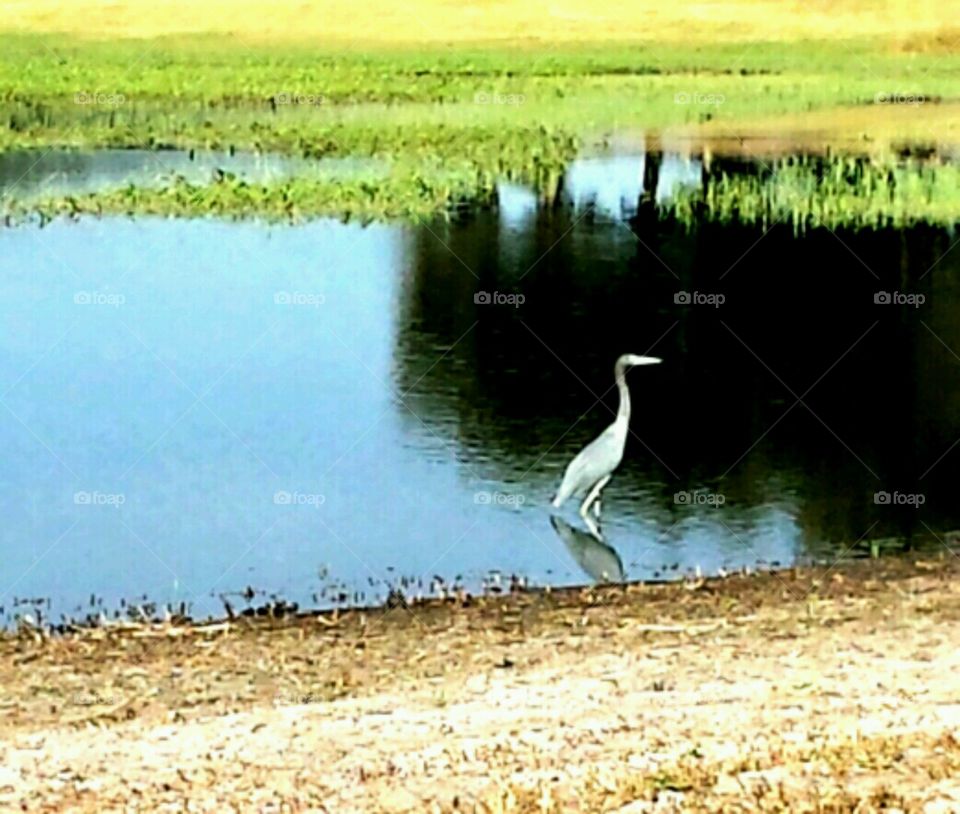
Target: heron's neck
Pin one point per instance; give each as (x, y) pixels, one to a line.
(623, 413)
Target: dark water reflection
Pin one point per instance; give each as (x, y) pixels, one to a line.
(395, 427)
(793, 384)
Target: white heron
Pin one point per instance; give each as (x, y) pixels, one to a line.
(591, 470)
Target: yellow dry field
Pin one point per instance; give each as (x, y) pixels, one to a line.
(920, 24)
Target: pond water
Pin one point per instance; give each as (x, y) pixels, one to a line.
(321, 412)
(32, 174)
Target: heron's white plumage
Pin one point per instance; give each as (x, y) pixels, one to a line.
(585, 475)
(595, 461)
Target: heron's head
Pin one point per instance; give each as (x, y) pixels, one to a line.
(632, 360)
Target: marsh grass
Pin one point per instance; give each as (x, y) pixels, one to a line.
(455, 120)
(836, 192)
(806, 192)
(187, 90)
(406, 195)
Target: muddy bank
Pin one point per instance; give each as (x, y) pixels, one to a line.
(830, 687)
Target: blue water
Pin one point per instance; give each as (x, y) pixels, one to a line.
(36, 173)
(191, 407)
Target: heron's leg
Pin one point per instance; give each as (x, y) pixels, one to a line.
(593, 495)
(593, 528)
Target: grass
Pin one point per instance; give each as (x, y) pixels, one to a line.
(805, 192)
(459, 100)
(402, 196)
(837, 192)
(847, 776)
(196, 90)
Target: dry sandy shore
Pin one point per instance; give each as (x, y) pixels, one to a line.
(812, 690)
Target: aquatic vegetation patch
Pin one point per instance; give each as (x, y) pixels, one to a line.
(803, 192)
(421, 182)
(405, 196)
(834, 192)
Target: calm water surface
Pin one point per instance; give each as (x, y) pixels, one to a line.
(188, 408)
(32, 174)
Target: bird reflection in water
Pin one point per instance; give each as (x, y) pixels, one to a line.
(597, 559)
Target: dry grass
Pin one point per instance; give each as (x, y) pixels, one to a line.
(944, 40)
(857, 775)
(920, 23)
